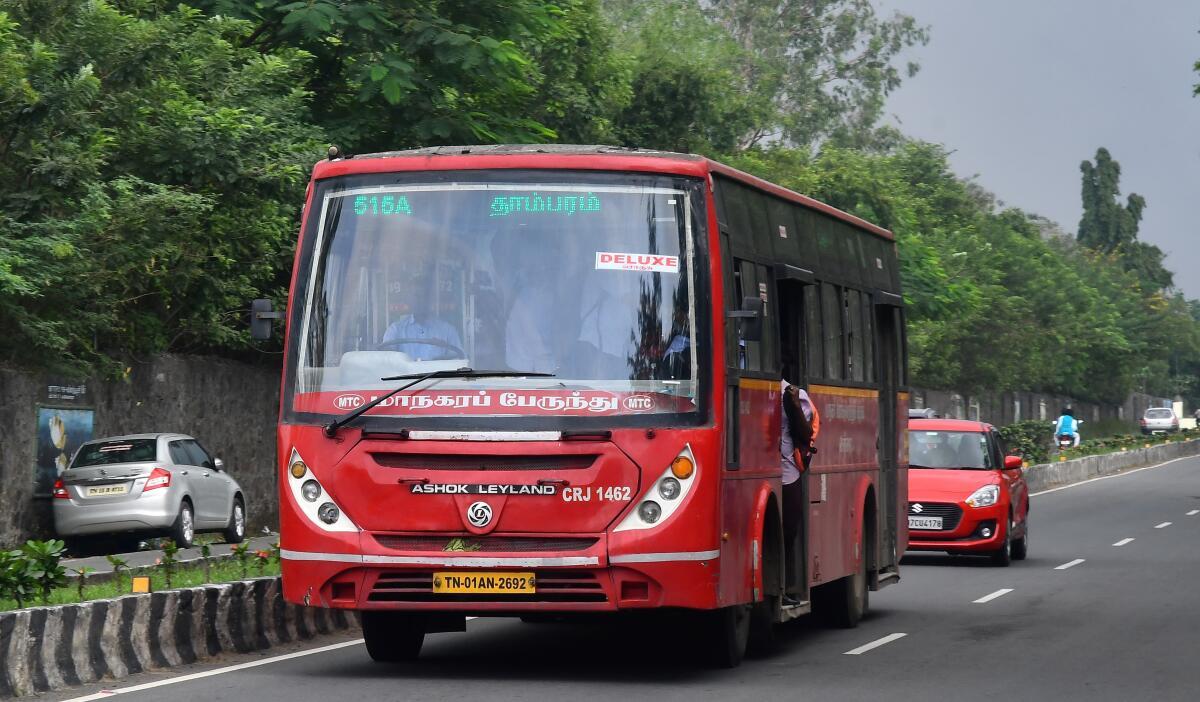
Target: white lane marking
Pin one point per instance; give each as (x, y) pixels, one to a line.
(874, 644)
(1114, 475)
(999, 593)
(1070, 564)
(105, 694)
(1164, 525)
(1124, 541)
(1193, 513)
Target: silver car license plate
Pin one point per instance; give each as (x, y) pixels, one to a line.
(103, 490)
(931, 523)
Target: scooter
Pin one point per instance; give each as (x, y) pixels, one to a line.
(1066, 441)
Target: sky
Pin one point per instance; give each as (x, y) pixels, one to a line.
(1022, 91)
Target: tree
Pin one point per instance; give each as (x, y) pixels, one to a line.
(415, 73)
(1109, 227)
(826, 65)
(161, 166)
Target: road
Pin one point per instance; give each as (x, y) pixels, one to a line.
(1082, 619)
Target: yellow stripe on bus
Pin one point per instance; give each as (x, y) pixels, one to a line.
(843, 392)
(756, 384)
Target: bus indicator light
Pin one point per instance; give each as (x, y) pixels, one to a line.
(682, 467)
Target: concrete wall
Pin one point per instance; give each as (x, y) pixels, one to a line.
(231, 407)
(1005, 408)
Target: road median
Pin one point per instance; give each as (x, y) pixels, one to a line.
(51, 648)
(1046, 476)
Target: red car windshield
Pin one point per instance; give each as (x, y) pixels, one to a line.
(949, 449)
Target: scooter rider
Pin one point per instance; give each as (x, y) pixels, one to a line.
(1067, 425)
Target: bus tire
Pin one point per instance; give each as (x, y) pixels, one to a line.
(392, 637)
(725, 635)
(844, 602)
(763, 617)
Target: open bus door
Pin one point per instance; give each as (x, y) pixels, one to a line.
(791, 283)
(889, 337)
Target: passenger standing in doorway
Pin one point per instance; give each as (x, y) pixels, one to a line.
(795, 443)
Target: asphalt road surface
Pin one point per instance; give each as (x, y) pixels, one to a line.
(1105, 608)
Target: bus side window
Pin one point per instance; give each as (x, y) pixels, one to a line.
(754, 280)
(812, 322)
(831, 323)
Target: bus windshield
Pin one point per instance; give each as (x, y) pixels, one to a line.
(592, 280)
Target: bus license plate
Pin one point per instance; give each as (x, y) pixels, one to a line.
(933, 523)
(102, 490)
(483, 583)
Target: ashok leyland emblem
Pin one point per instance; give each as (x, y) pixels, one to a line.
(479, 514)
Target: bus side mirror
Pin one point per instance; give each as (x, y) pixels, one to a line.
(1012, 462)
(261, 317)
(750, 318)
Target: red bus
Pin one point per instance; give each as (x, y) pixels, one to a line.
(523, 380)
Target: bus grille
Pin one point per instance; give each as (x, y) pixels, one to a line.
(438, 461)
(484, 544)
(552, 586)
(949, 512)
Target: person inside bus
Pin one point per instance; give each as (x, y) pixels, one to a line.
(421, 322)
(608, 322)
(795, 441)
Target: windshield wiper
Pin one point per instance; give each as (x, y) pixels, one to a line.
(331, 428)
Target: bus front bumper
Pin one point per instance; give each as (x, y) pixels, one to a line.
(566, 583)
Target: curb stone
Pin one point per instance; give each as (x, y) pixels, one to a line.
(1051, 475)
(52, 648)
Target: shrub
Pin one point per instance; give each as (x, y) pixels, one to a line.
(43, 563)
(1030, 439)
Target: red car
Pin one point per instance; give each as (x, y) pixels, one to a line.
(965, 495)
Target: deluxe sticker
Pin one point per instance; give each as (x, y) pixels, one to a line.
(655, 263)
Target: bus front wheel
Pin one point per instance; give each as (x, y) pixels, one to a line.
(392, 637)
(726, 635)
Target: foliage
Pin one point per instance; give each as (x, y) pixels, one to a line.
(160, 166)
(735, 74)
(17, 581)
(241, 553)
(45, 568)
(98, 589)
(205, 556)
(118, 565)
(1112, 228)
(81, 575)
(169, 560)
(414, 72)
(1031, 439)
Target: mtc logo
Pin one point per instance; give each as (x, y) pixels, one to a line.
(348, 402)
(638, 403)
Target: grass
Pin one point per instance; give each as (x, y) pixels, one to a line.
(190, 575)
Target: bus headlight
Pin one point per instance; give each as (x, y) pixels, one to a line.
(649, 511)
(328, 513)
(311, 490)
(665, 495)
(669, 488)
(307, 492)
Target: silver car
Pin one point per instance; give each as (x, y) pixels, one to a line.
(148, 483)
(1159, 420)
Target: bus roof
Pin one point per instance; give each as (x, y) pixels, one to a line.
(569, 156)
